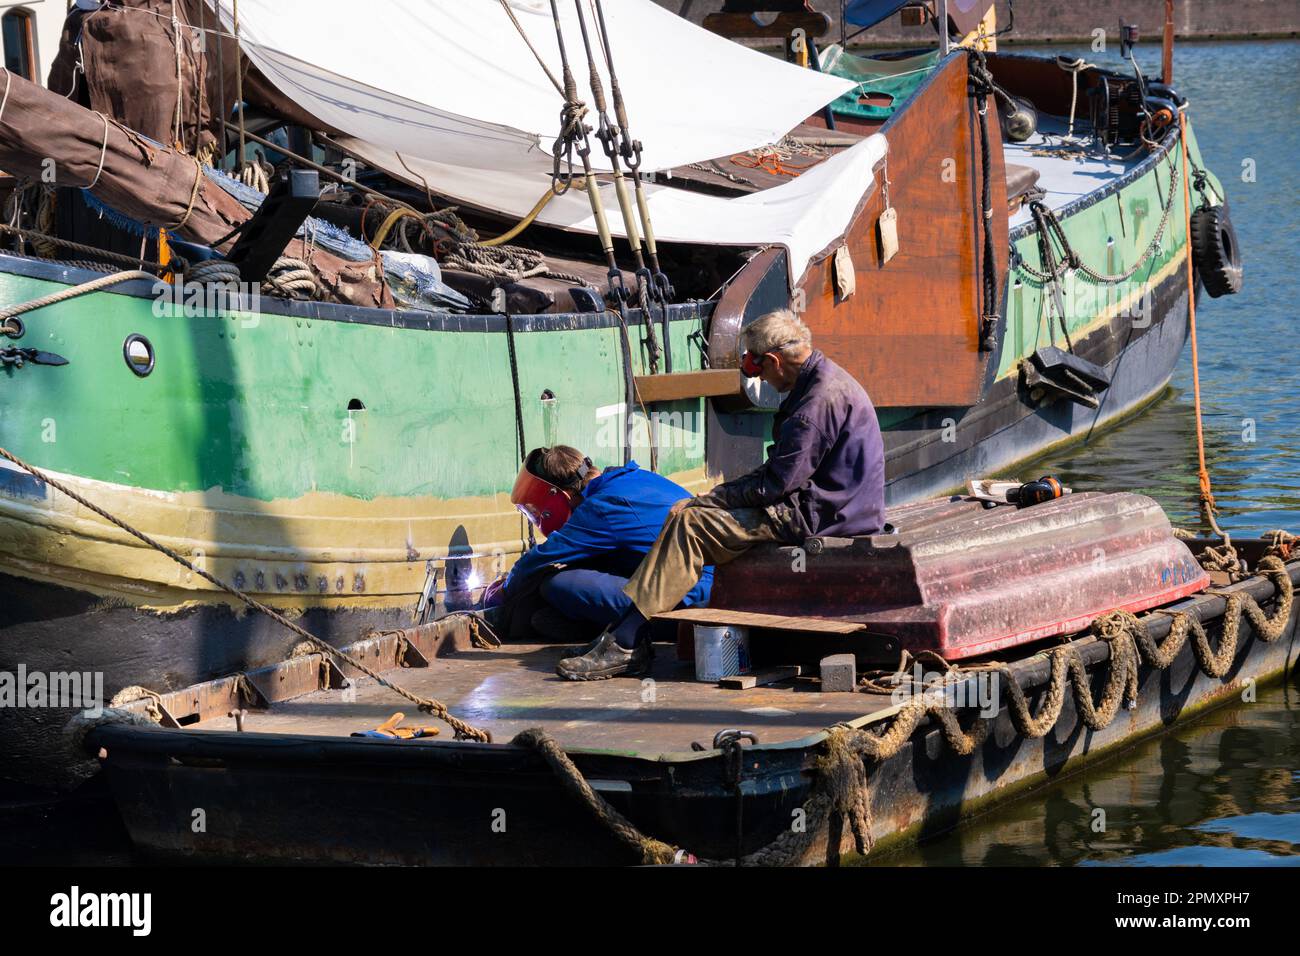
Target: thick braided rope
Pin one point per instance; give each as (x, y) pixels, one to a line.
(73, 292)
(1215, 663)
(291, 278)
(650, 849)
(34, 236)
(428, 705)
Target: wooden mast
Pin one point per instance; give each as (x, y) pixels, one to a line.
(1167, 61)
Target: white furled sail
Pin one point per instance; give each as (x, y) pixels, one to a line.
(806, 215)
(450, 90)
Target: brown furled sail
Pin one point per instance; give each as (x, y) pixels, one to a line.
(123, 61)
(43, 134)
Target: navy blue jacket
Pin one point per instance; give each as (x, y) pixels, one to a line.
(825, 470)
(612, 528)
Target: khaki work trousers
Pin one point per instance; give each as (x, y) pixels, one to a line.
(689, 541)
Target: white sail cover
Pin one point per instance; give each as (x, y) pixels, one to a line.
(806, 215)
(450, 90)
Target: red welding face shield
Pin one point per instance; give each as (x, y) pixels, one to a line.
(545, 504)
(751, 365)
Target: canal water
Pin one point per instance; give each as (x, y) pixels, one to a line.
(1245, 110)
(1224, 791)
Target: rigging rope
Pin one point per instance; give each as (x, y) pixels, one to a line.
(33, 236)
(982, 84)
(630, 149)
(613, 139)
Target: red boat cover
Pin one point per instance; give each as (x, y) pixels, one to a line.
(962, 580)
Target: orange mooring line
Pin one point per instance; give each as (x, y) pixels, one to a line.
(1207, 495)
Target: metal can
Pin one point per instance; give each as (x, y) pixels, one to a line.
(720, 652)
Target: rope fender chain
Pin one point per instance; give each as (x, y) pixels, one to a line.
(840, 792)
(429, 705)
(1239, 605)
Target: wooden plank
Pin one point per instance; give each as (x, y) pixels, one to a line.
(716, 615)
(760, 678)
(671, 387)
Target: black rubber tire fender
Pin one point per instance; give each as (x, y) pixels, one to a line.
(1215, 251)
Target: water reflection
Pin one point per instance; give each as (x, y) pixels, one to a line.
(1219, 792)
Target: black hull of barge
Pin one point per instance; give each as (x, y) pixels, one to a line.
(50, 628)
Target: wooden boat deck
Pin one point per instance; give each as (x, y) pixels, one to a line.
(513, 687)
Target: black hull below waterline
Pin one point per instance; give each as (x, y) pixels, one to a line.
(49, 629)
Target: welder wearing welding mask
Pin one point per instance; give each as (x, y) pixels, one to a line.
(824, 475)
(598, 524)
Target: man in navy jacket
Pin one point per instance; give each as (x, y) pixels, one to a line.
(824, 475)
(616, 516)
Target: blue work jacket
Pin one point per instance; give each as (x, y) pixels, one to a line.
(611, 529)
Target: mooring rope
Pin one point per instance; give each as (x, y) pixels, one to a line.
(1208, 508)
(429, 705)
(35, 236)
(72, 292)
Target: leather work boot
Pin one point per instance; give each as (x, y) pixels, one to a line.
(606, 660)
(581, 649)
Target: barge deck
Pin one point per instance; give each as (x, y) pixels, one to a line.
(646, 771)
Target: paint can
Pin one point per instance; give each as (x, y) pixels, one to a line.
(721, 652)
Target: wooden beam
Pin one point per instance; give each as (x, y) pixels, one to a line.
(776, 622)
(710, 383)
(761, 678)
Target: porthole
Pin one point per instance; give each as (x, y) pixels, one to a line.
(138, 352)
